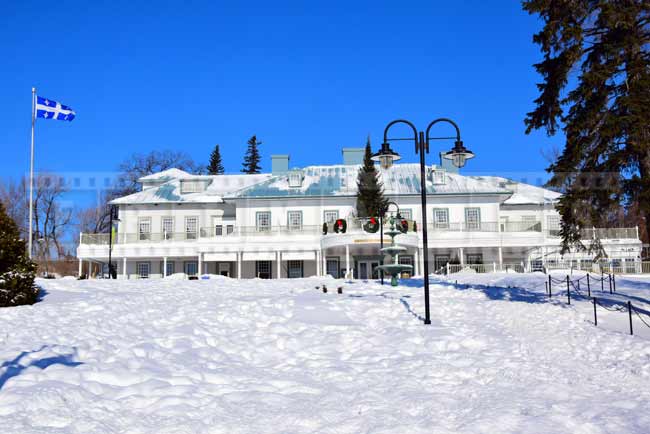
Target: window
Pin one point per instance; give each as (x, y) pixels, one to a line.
(263, 222)
(504, 223)
(553, 223)
(230, 229)
(406, 214)
(191, 226)
(168, 227)
(263, 269)
(295, 179)
(191, 268)
(192, 186)
(170, 267)
(473, 218)
(474, 258)
(438, 176)
(441, 218)
(530, 223)
(330, 216)
(294, 269)
(143, 269)
(332, 267)
(218, 230)
(294, 220)
(406, 260)
(144, 228)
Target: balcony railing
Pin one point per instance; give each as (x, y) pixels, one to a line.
(354, 225)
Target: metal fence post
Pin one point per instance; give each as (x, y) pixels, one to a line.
(602, 283)
(595, 317)
(588, 285)
(546, 287)
(568, 290)
(629, 311)
(550, 288)
(614, 281)
(610, 283)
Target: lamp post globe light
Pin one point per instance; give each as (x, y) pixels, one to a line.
(458, 155)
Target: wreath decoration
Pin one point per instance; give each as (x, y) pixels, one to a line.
(324, 228)
(403, 226)
(371, 226)
(340, 225)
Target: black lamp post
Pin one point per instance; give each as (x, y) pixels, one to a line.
(112, 274)
(458, 156)
(382, 213)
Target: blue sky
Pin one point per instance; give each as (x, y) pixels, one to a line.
(307, 79)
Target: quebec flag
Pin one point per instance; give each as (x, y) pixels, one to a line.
(48, 109)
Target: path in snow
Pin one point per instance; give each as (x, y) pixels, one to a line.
(227, 356)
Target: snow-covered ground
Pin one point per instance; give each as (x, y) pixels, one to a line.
(254, 356)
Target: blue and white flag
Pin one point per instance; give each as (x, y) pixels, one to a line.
(48, 109)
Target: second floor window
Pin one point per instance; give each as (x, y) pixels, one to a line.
(230, 229)
(218, 230)
(473, 218)
(263, 223)
(330, 216)
(168, 227)
(294, 220)
(144, 229)
(406, 214)
(553, 223)
(191, 226)
(441, 218)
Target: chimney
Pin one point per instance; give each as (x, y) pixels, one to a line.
(279, 164)
(448, 165)
(353, 156)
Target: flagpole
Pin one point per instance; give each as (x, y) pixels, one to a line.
(31, 175)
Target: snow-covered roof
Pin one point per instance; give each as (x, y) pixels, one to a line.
(170, 190)
(166, 175)
(341, 180)
(522, 194)
(335, 180)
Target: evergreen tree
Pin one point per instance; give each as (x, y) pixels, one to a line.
(216, 166)
(596, 89)
(252, 159)
(370, 191)
(17, 271)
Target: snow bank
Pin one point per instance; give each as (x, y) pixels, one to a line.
(256, 356)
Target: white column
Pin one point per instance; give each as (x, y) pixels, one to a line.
(421, 256)
(164, 270)
(462, 256)
(81, 266)
(347, 261)
(278, 258)
(323, 269)
(316, 255)
(124, 267)
(416, 270)
(200, 263)
(500, 258)
(239, 256)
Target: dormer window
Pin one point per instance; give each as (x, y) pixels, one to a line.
(295, 179)
(192, 186)
(438, 175)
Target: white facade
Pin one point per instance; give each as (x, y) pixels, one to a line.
(271, 225)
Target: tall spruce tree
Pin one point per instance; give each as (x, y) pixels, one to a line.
(216, 166)
(596, 89)
(17, 271)
(370, 191)
(251, 163)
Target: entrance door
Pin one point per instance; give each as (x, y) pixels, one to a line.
(333, 267)
(224, 269)
(368, 270)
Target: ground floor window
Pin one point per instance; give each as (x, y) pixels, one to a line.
(294, 269)
(191, 268)
(170, 268)
(440, 261)
(263, 269)
(143, 269)
(407, 260)
(332, 267)
(474, 258)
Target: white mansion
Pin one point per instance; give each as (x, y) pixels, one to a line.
(271, 225)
